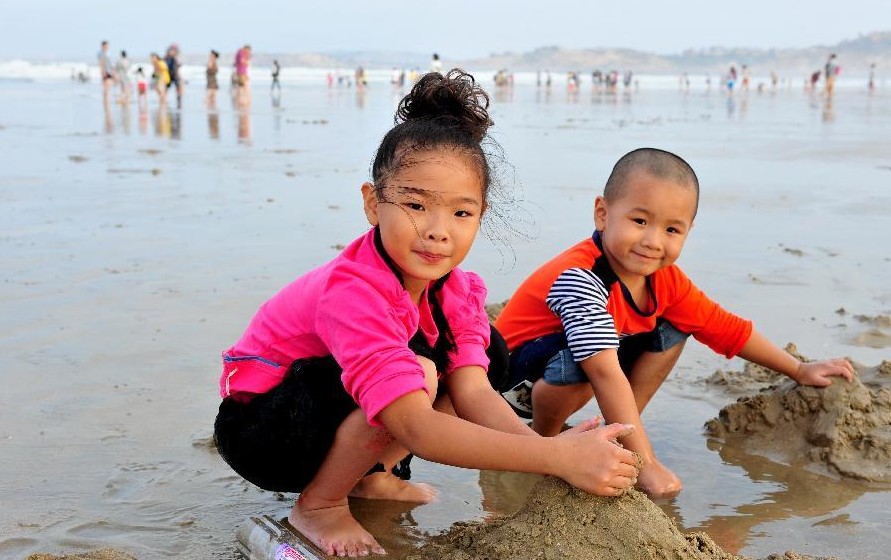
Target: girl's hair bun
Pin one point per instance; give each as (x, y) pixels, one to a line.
(454, 97)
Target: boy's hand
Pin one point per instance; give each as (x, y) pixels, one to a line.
(594, 461)
(657, 481)
(819, 374)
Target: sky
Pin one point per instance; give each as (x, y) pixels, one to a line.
(457, 29)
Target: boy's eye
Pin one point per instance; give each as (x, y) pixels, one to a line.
(415, 205)
(640, 221)
(463, 214)
(673, 230)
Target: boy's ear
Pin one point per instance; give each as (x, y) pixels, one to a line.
(369, 199)
(599, 213)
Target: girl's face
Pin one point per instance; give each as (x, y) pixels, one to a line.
(429, 214)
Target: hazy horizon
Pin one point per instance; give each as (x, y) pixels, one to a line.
(462, 29)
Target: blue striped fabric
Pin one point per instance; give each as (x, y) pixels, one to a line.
(579, 298)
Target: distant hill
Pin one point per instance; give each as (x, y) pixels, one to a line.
(855, 56)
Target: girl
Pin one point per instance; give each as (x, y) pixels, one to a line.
(384, 350)
(141, 89)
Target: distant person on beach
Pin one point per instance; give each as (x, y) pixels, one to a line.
(746, 79)
(435, 63)
(106, 72)
(387, 350)
(627, 78)
(871, 82)
(141, 89)
(815, 78)
(160, 78)
(730, 80)
(213, 84)
(831, 71)
(242, 76)
(276, 71)
(171, 59)
(609, 316)
(122, 71)
(361, 79)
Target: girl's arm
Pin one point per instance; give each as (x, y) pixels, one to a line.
(589, 459)
(476, 401)
(818, 374)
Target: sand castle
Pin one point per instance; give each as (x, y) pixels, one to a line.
(845, 428)
(559, 522)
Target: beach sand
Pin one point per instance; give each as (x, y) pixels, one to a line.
(134, 250)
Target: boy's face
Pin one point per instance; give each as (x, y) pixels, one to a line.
(644, 229)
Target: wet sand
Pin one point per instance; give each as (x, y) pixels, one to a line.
(134, 250)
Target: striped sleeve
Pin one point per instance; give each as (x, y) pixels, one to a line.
(579, 298)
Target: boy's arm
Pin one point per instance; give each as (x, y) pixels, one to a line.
(617, 403)
(818, 374)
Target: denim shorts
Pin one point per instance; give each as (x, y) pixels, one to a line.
(549, 358)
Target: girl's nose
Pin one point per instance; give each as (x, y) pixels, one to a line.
(436, 229)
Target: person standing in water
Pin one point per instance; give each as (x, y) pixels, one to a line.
(213, 84)
(106, 72)
(276, 71)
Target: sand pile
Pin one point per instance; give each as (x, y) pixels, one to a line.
(561, 522)
(846, 427)
(752, 378)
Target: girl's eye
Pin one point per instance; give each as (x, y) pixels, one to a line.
(414, 205)
(463, 214)
(640, 221)
(673, 230)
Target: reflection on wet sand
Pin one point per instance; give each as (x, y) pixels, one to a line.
(392, 523)
(213, 125)
(244, 126)
(795, 492)
(505, 492)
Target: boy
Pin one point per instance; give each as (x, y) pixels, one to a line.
(609, 316)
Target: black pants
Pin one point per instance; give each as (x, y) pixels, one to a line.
(278, 440)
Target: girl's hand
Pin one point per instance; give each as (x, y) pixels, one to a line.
(819, 374)
(590, 458)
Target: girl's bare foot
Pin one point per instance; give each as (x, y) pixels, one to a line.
(333, 529)
(387, 486)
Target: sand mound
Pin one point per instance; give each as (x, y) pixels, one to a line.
(561, 522)
(752, 378)
(846, 427)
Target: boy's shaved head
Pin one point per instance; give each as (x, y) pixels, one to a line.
(653, 161)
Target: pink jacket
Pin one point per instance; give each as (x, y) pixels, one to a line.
(354, 309)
